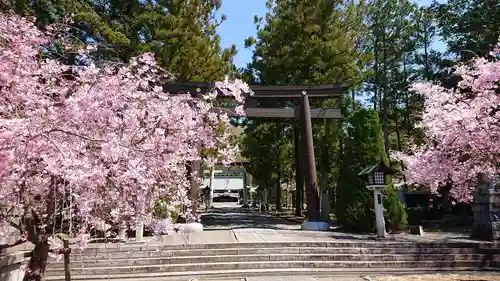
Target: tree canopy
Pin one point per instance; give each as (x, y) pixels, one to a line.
(462, 129)
(300, 42)
(182, 34)
(82, 146)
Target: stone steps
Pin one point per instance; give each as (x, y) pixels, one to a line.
(262, 251)
(235, 275)
(99, 263)
(155, 245)
(184, 269)
(118, 262)
(150, 268)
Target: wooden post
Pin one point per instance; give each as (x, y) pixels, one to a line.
(313, 212)
(66, 253)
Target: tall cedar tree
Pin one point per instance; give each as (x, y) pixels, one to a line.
(469, 27)
(181, 33)
(363, 146)
(307, 42)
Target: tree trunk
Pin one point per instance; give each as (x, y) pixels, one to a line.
(278, 194)
(193, 170)
(299, 178)
(445, 197)
(332, 199)
(398, 127)
(377, 79)
(38, 262)
(266, 196)
(67, 252)
(385, 101)
(278, 172)
(406, 118)
(426, 56)
(261, 198)
(325, 169)
(398, 135)
(385, 123)
(353, 101)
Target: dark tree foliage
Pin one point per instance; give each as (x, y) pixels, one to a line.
(181, 33)
(363, 146)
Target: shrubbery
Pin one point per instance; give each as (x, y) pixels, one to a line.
(162, 211)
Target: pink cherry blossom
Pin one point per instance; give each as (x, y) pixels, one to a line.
(99, 146)
(462, 129)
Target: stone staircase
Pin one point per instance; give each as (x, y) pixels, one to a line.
(134, 262)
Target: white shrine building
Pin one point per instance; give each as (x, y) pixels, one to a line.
(228, 184)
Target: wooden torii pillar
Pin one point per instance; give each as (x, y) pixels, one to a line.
(304, 113)
(313, 210)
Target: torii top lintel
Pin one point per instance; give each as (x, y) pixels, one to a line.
(262, 91)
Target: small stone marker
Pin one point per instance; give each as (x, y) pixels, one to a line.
(417, 230)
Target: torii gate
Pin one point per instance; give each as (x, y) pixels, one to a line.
(303, 112)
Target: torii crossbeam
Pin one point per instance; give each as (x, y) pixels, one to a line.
(287, 92)
(303, 112)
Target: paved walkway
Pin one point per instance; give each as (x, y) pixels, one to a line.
(235, 217)
(238, 225)
(304, 278)
(252, 226)
(292, 278)
(247, 225)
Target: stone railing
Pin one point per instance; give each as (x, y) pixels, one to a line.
(13, 259)
(12, 266)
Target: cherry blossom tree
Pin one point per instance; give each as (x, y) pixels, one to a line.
(462, 127)
(82, 146)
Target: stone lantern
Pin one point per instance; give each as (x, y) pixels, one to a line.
(376, 180)
(486, 208)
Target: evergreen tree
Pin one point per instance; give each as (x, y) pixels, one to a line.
(469, 27)
(363, 146)
(181, 33)
(393, 27)
(309, 42)
(269, 153)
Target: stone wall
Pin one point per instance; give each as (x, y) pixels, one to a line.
(486, 208)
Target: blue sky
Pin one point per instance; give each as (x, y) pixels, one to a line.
(239, 24)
